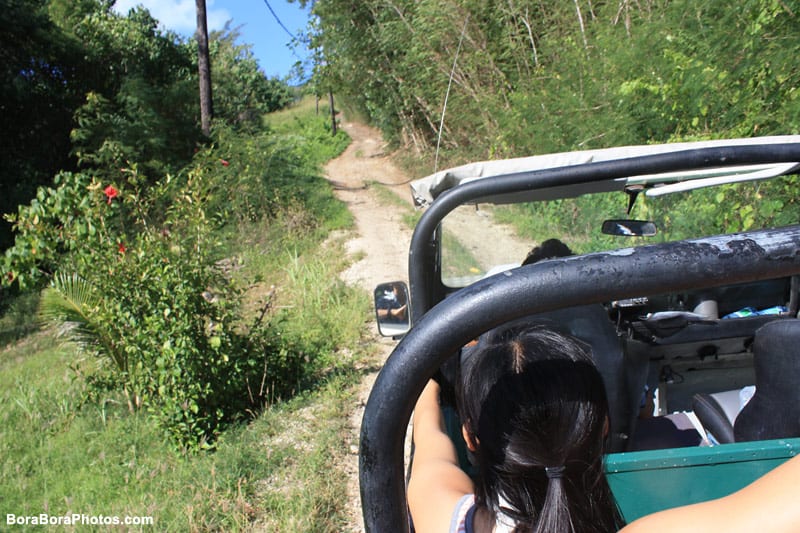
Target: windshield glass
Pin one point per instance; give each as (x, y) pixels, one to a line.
(482, 239)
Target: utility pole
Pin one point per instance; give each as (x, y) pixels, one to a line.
(204, 69)
(333, 111)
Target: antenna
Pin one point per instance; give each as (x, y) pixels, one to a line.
(447, 95)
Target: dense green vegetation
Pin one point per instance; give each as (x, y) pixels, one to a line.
(84, 88)
(538, 77)
(132, 235)
(128, 204)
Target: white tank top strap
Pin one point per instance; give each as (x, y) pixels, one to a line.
(458, 523)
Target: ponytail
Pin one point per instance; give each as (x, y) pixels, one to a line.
(536, 405)
(555, 514)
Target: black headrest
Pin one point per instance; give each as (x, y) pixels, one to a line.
(774, 410)
(712, 415)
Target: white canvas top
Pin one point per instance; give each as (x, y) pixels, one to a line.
(426, 190)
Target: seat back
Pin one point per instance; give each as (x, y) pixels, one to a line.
(717, 413)
(774, 410)
(590, 323)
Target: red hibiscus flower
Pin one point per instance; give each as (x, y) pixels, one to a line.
(122, 249)
(110, 193)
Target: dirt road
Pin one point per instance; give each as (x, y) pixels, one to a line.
(383, 239)
(381, 250)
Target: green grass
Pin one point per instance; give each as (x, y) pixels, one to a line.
(304, 122)
(309, 494)
(298, 272)
(61, 455)
(386, 196)
(458, 261)
(285, 119)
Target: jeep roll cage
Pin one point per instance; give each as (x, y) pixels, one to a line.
(441, 326)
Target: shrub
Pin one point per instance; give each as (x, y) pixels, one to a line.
(140, 288)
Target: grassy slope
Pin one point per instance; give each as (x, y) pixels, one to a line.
(63, 454)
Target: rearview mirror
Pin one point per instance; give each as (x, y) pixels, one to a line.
(391, 309)
(629, 228)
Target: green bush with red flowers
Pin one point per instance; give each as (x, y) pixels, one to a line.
(132, 274)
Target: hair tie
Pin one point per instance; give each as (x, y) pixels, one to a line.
(554, 472)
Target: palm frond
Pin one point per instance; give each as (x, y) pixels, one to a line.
(70, 305)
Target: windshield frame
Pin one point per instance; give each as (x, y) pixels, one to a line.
(425, 280)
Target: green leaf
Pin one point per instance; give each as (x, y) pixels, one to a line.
(70, 305)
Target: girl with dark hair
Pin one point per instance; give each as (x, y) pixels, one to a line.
(534, 414)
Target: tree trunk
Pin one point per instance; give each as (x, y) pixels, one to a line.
(204, 69)
(333, 112)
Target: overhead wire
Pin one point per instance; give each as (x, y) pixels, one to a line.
(447, 96)
(279, 20)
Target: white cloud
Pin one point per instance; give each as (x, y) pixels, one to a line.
(178, 15)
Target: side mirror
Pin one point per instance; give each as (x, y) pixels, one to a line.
(391, 309)
(629, 228)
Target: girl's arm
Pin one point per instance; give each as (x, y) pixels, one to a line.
(437, 483)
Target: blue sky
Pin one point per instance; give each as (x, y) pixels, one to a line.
(259, 27)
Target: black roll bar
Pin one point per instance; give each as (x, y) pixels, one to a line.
(427, 289)
(536, 288)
